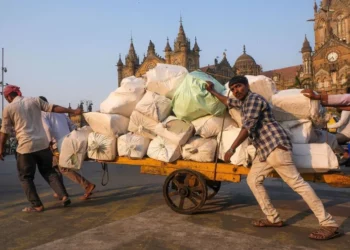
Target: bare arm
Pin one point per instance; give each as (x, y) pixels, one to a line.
(60, 109)
(346, 108)
(242, 136)
(3, 138)
(210, 88)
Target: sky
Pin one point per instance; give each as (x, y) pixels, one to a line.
(67, 50)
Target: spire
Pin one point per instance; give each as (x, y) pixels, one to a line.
(181, 39)
(167, 47)
(306, 46)
(120, 63)
(195, 47)
(244, 51)
(132, 57)
(151, 49)
(315, 7)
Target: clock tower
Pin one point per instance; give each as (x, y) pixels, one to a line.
(331, 58)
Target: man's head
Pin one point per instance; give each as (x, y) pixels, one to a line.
(11, 92)
(43, 98)
(239, 86)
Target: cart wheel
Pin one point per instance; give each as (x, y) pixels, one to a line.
(213, 188)
(185, 191)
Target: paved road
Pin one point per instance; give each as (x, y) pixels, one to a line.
(129, 213)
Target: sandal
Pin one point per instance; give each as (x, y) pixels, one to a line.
(88, 192)
(266, 223)
(33, 209)
(325, 233)
(66, 202)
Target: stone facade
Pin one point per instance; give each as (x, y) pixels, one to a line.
(182, 54)
(327, 68)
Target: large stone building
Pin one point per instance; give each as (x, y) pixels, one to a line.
(327, 67)
(182, 54)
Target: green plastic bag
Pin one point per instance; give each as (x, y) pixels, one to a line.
(191, 100)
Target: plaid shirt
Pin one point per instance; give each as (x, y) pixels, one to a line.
(264, 132)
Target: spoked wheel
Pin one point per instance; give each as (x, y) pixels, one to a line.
(213, 188)
(185, 191)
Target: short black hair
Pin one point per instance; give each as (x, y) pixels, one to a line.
(43, 98)
(238, 79)
(348, 90)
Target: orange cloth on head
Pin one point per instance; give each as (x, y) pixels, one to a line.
(12, 89)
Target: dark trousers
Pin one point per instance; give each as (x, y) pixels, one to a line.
(26, 166)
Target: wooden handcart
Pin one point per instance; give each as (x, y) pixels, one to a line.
(190, 184)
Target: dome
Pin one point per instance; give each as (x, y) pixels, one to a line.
(245, 58)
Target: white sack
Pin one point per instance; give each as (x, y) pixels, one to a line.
(262, 85)
(299, 131)
(155, 106)
(210, 125)
(199, 149)
(322, 136)
(163, 150)
(240, 157)
(175, 130)
(73, 148)
(314, 158)
(101, 147)
(107, 124)
(142, 125)
(124, 99)
(290, 104)
(164, 79)
(234, 112)
(133, 146)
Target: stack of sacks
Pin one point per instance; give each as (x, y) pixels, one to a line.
(163, 150)
(199, 149)
(209, 126)
(124, 99)
(263, 86)
(152, 109)
(102, 147)
(133, 146)
(240, 157)
(174, 130)
(73, 148)
(310, 158)
(107, 124)
(164, 79)
(299, 131)
(191, 100)
(291, 104)
(322, 136)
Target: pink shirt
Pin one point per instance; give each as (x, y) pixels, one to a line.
(341, 100)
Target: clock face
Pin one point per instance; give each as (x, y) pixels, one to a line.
(332, 57)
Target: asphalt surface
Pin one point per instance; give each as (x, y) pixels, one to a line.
(130, 213)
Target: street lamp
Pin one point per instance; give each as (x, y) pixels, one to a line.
(3, 71)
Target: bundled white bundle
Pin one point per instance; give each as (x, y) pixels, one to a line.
(291, 104)
(299, 131)
(163, 150)
(102, 147)
(142, 125)
(73, 148)
(199, 149)
(262, 85)
(175, 130)
(123, 100)
(210, 125)
(240, 157)
(314, 158)
(234, 112)
(133, 145)
(321, 136)
(164, 79)
(107, 124)
(155, 106)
